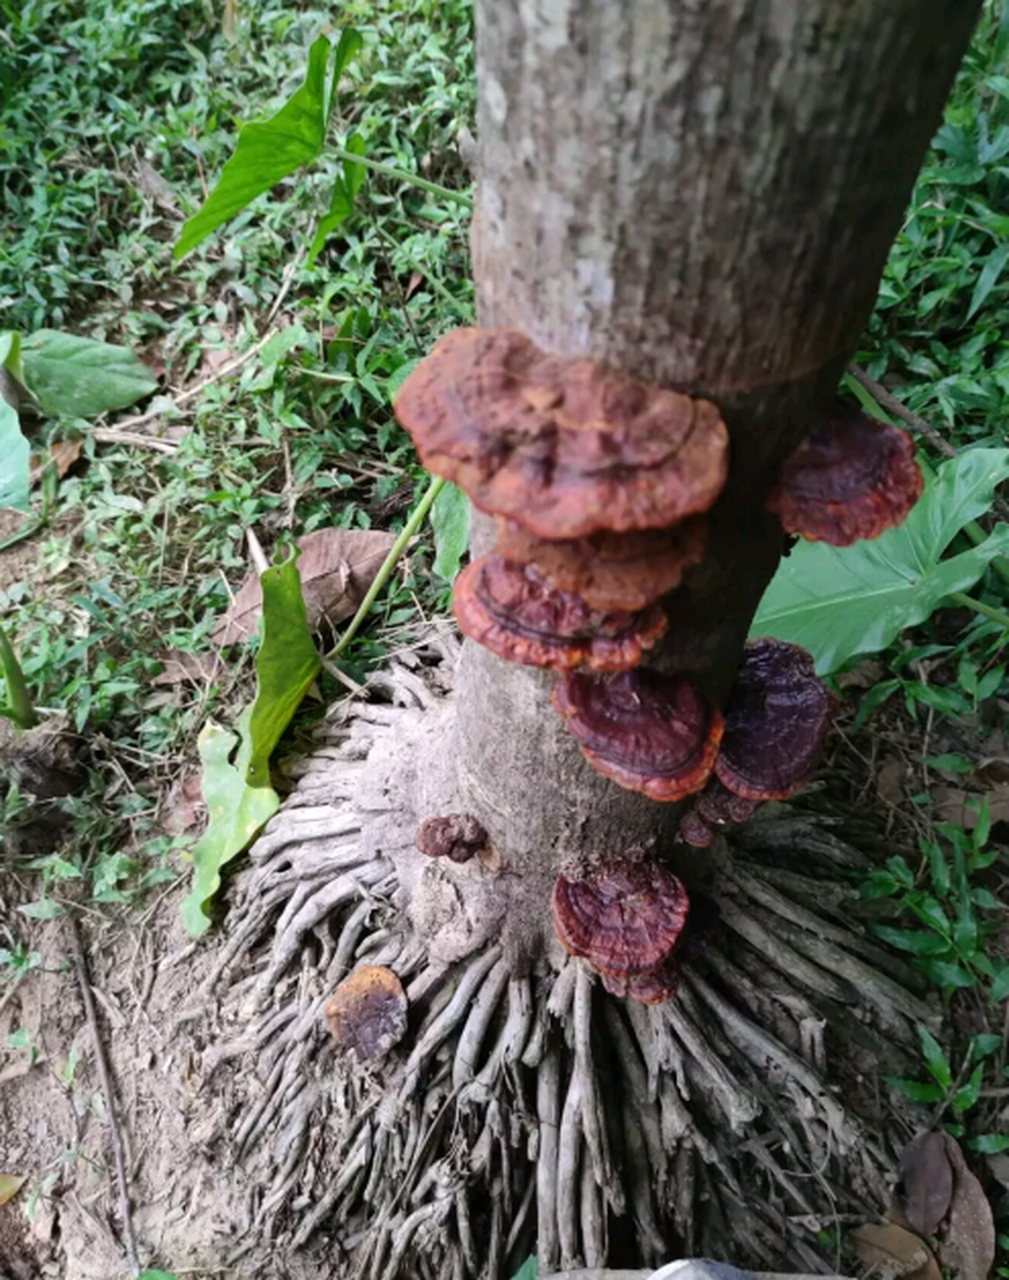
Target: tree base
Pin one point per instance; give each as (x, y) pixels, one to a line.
(526, 1110)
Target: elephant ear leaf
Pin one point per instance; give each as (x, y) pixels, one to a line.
(841, 601)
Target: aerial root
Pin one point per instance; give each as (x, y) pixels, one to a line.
(531, 1111)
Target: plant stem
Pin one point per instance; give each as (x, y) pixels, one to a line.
(403, 175)
(968, 602)
(417, 517)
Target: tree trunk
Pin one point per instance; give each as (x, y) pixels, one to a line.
(700, 193)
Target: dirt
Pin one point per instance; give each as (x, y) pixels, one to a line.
(189, 1209)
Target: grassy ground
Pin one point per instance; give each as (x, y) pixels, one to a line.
(113, 121)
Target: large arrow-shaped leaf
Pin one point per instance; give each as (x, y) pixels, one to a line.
(840, 601)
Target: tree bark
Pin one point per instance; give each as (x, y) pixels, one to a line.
(700, 193)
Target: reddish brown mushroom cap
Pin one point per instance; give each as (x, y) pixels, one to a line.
(654, 987)
(512, 610)
(643, 729)
(611, 570)
(456, 836)
(853, 478)
(775, 722)
(625, 918)
(563, 446)
(713, 808)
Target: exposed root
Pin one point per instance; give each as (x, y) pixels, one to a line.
(527, 1110)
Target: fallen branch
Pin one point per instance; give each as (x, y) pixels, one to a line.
(84, 982)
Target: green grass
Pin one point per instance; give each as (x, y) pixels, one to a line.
(142, 547)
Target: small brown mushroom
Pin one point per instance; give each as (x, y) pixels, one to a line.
(611, 570)
(711, 810)
(625, 918)
(852, 478)
(643, 729)
(367, 1011)
(512, 610)
(456, 836)
(563, 446)
(776, 722)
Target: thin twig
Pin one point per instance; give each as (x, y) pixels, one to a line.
(917, 425)
(112, 435)
(83, 980)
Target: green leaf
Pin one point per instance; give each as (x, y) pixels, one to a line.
(15, 460)
(347, 49)
(20, 707)
(949, 763)
(990, 272)
(266, 153)
(966, 1096)
(1000, 987)
(934, 1057)
(78, 378)
(450, 521)
(984, 1045)
(274, 351)
(341, 205)
(840, 601)
(156, 1275)
(982, 828)
(528, 1270)
(913, 940)
(44, 909)
(237, 813)
(880, 884)
(286, 665)
(916, 1090)
(989, 1144)
(10, 354)
(946, 975)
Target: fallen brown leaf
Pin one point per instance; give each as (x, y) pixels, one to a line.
(993, 772)
(416, 280)
(926, 1183)
(188, 668)
(184, 807)
(967, 1244)
(337, 566)
(890, 1252)
(65, 453)
(10, 1185)
(865, 676)
(890, 780)
(962, 807)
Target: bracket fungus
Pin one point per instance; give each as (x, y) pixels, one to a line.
(611, 570)
(368, 1011)
(563, 446)
(852, 478)
(512, 610)
(646, 730)
(776, 721)
(626, 918)
(456, 836)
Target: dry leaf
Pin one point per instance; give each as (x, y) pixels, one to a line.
(188, 668)
(926, 1183)
(962, 807)
(993, 772)
(891, 1251)
(367, 1011)
(337, 566)
(866, 675)
(416, 280)
(967, 1246)
(10, 1185)
(184, 806)
(889, 781)
(65, 453)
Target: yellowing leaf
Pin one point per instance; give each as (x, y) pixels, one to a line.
(10, 1185)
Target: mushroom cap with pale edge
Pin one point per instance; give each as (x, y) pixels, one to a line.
(776, 722)
(625, 917)
(611, 570)
(646, 730)
(852, 478)
(368, 1011)
(654, 987)
(563, 446)
(513, 611)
